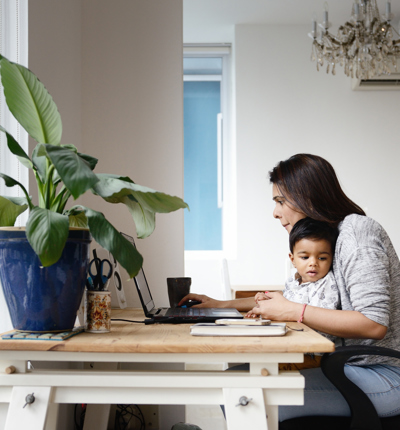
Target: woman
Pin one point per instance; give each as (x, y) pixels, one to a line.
(367, 272)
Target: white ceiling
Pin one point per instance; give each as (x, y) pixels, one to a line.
(214, 20)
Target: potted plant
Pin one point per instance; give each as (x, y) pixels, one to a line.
(61, 172)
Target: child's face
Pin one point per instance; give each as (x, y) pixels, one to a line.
(312, 259)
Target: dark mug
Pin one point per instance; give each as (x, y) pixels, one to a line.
(178, 288)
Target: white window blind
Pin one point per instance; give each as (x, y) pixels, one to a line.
(14, 46)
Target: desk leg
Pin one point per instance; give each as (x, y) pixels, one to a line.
(240, 417)
(97, 415)
(33, 416)
(273, 417)
(5, 366)
(52, 416)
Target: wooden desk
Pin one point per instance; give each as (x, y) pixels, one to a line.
(159, 343)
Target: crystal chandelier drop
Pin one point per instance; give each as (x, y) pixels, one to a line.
(364, 45)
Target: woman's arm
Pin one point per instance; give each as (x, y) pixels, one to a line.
(242, 305)
(347, 324)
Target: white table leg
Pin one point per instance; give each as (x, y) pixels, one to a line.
(273, 417)
(32, 416)
(7, 366)
(96, 417)
(253, 415)
(52, 416)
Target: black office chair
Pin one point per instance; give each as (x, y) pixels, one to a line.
(363, 413)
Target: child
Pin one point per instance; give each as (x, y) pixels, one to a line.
(312, 244)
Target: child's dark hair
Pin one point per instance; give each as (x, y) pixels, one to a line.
(308, 228)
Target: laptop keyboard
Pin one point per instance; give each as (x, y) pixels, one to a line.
(185, 312)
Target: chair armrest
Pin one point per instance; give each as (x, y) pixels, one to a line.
(362, 410)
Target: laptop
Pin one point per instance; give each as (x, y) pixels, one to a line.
(176, 315)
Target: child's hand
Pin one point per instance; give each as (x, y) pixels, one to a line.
(276, 308)
(260, 296)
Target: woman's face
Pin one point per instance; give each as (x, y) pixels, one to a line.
(284, 211)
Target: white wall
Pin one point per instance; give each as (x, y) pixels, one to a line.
(284, 107)
(55, 57)
(115, 72)
(133, 117)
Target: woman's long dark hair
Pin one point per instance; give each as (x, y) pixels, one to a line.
(309, 183)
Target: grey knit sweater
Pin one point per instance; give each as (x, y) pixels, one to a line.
(367, 272)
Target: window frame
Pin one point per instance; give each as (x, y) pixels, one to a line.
(227, 154)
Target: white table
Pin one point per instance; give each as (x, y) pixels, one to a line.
(104, 383)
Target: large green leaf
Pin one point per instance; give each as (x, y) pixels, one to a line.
(74, 171)
(145, 220)
(30, 103)
(78, 220)
(47, 232)
(111, 240)
(89, 159)
(17, 150)
(142, 202)
(10, 182)
(10, 209)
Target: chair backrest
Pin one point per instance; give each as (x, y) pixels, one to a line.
(363, 413)
(226, 284)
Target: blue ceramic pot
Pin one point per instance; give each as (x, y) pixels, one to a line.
(43, 298)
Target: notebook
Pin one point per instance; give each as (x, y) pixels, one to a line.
(209, 329)
(178, 315)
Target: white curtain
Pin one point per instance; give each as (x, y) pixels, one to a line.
(14, 46)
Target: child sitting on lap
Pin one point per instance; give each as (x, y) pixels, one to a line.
(312, 245)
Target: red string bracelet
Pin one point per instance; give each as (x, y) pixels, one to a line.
(302, 313)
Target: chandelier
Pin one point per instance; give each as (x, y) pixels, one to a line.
(364, 45)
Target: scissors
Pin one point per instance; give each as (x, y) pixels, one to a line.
(100, 272)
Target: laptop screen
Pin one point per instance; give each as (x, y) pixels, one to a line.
(141, 282)
(144, 291)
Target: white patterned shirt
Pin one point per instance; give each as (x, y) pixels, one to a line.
(323, 293)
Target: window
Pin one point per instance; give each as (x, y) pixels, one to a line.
(202, 116)
(14, 46)
(208, 151)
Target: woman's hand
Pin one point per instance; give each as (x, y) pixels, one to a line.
(206, 302)
(276, 307)
(242, 305)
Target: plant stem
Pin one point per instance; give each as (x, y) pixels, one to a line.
(62, 199)
(49, 186)
(40, 190)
